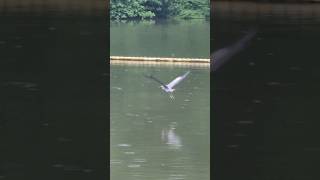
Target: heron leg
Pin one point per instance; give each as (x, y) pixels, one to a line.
(171, 96)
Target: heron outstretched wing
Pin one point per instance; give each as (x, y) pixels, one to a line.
(177, 80)
(155, 79)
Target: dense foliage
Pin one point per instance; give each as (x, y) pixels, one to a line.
(147, 9)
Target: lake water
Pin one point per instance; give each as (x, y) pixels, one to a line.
(265, 101)
(53, 86)
(164, 38)
(53, 95)
(153, 136)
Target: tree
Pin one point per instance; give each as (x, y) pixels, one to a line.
(146, 9)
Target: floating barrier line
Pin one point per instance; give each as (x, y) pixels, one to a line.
(158, 60)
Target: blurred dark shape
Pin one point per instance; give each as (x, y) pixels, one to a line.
(222, 56)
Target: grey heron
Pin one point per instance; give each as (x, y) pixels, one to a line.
(168, 88)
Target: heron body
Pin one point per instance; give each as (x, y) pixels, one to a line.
(167, 89)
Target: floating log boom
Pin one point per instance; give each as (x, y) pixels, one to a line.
(159, 60)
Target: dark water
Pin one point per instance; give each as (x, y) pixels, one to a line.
(53, 96)
(265, 101)
(161, 38)
(153, 136)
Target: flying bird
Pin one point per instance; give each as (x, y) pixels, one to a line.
(221, 56)
(168, 88)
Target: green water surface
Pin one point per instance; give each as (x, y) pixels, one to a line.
(152, 136)
(165, 38)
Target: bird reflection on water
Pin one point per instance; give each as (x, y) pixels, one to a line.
(169, 136)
